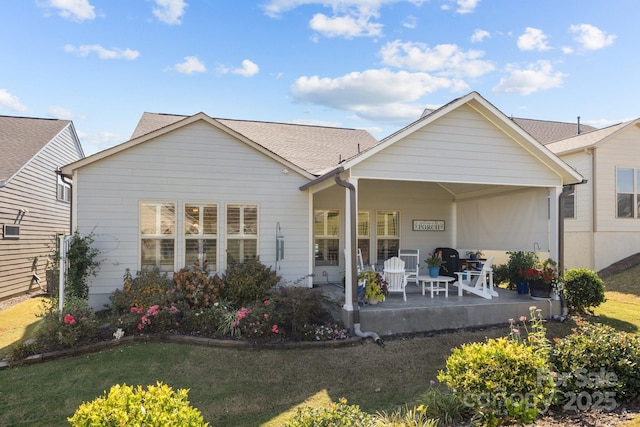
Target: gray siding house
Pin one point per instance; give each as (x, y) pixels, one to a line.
(188, 188)
(35, 203)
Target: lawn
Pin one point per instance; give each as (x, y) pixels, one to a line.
(235, 387)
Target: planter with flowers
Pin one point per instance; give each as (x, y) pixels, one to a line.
(542, 279)
(434, 263)
(375, 288)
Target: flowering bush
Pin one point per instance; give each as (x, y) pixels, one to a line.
(76, 325)
(149, 287)
(545, 271)
(258, 322)
(200, 288)
(328, 332)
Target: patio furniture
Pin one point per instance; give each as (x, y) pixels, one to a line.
(394, 275)
(477, 282)
(450, 261)
(411, 258)
(436, 284)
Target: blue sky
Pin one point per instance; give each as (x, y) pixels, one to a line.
(370, 64)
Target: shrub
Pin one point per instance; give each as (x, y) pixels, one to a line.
(81, 263)
(209, 321)
(518, 262)
(583, 289)
(248, 282)
(327, 332)
(445, 407)
(75, 326)
(597, 359)
(149, 287)
(338, 414)
(405, 417)
(299, 307)
(157, 406)
(258, 321)
(200, 289)
(499, 379)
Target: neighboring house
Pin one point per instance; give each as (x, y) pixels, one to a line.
(602, 218)
(35, 202)
(198, 188)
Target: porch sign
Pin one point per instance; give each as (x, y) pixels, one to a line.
(428, 225)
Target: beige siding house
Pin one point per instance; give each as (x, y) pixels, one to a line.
(604, 225)
(192, 188)
(34, 200)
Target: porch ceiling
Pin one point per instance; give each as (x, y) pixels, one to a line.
(466, 190)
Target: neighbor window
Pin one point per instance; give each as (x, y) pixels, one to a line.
(242, 232)
(364, 235)
(569, 208)
(158, 235)
(387, 234)
(627, 197)
(326, 229)
(63, 192)
(201, 235)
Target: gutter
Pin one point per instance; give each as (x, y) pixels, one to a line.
(353, 218)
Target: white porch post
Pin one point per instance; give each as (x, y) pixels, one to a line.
(554, 226)
(349, 245)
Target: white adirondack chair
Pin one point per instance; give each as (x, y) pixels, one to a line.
(395, 276)
(477, 282)
(411, 258)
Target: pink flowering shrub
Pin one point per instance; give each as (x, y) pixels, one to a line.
(327, 332)
(258, 322)
(75, 326)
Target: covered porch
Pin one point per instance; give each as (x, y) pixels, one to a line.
(425, 314)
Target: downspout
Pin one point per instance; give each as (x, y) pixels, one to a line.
(352, 252)
(70, 183)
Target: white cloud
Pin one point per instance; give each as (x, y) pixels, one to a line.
(479, 35)
(190, 65)
(169, 11)
(466, 6)
(373, 94)
(410, 22)
(11, 102)
(533, 39)
(248, 69)
(345, 26)
(58, 112)
(537, 76)
(103, 53)
(567, 50)
(590, 37)
(75, 10)
(444, 59)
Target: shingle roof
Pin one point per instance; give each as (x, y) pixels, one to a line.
(587, 140)
(21, 138)
(315, 149)
(546, 131)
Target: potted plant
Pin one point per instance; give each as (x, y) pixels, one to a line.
(434, 263)
(474, 255)
(519, 262)
(542, 279)
(375, 287)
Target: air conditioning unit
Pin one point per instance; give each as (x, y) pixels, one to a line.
(11, 232)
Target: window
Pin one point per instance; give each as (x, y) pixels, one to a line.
(326, 229)
(569, 206)
(63, 192)
(157, 236)
(364, 235)
(242, 232)
(387, 235)
(627, 181)
(201, 235)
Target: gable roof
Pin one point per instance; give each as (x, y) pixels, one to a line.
(21, 138)
(310, 149)
(591, 139)
(491, 113)
(547, 131)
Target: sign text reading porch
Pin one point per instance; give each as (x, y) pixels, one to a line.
(428, 225)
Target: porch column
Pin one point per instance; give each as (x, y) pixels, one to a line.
(349, 244)
(554, 224)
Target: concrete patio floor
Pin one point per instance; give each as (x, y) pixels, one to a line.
(423, 313)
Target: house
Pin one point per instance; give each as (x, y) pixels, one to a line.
(34, 200)
(602, 218)
(188, 188)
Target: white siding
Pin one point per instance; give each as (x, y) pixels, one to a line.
(196, 163)
(462, 146)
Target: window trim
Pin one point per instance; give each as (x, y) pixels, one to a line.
(337, 236)
(387, 236)
(635, 193)
(240, 236)
(158, 236)
(201, 236)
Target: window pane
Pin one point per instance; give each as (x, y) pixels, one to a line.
(148, 219)
(625, 205)
(387, 248)
(250, 224)
(201, 250)
(149, 249)
(363, 245)
(326, 251)
(233, 220)
(168, 218)
(191, 219)
(624, 183)
(387, 223)
(569, 206)
(210, 219)
(363, 224)
(241, 250)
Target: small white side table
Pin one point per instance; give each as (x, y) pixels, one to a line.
(436, 284)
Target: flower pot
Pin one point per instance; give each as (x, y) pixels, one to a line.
(434, 271)
(373, 301)
(522, 288)
(540, 289)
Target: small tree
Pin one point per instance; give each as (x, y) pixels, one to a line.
(82, 262)
(583, 289)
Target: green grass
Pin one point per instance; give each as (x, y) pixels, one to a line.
(235, 387)
(19, 322)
